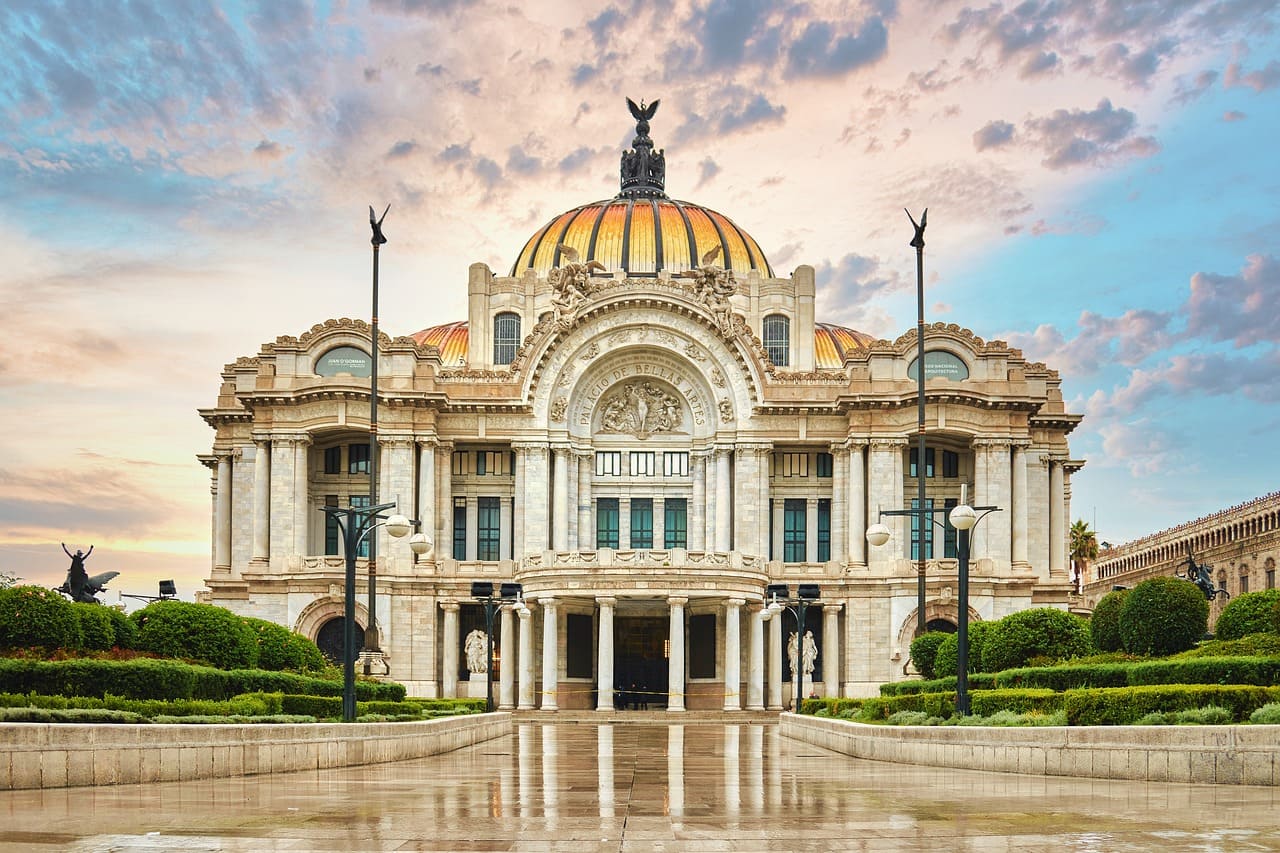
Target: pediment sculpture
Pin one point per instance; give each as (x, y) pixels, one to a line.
(571, 284)
(712, 286)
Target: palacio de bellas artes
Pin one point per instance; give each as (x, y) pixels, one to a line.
(644, 425)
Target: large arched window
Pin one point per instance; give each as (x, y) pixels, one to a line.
(506, 337)
(777, 339)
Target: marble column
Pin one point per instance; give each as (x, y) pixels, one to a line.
(519, 504)
(762, 502)
(586, 540)
(506, 514)
(1018, 500)
(723, 502)
(261, 500)
(444, 501)
(450, 657)
(560, 499)
(698, 504)
(507, 650)
(733, 654)
(675, 665)
(885, 487)
(222, 515)
(604, 656)
(425, 510)
(811, 530)
(526, 689)
(1057, 529)
(746, 529)
(775, 662)
(550, 655)
(283, 457)
(301, 507)
(857, 536)
(777, 520)
(473, 528)
(831, 649)
(755, 661)
(839, 499)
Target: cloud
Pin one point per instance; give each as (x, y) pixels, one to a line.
(1040, 64)
(733, 109)
(1259, 81)
(1072, 138)
(821, 51)
(707, 170)
(1237, 308)
(848, 290)
(1191, 90)
(992, 135)
(520, 162)
(1136, 67)
(1233, 115)
(576, 159)
(402, 149)
(268, 150)
(420, 7)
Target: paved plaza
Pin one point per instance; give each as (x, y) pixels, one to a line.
(643, 786)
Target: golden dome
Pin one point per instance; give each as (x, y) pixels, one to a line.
(642, 236)
(830, 343)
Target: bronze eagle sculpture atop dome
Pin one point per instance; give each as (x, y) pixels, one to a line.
(641, 112)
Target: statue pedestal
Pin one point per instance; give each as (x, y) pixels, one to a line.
(375, 663)
(477, 686)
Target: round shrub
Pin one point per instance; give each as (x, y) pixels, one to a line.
(279, 648)
(1044, 633)
(203, 632)
(1163, 616)
(32, 616)
(96, 628)
(123, 628)
(923, 649)
(1247, 613)
(947, 660)
(1104, 627)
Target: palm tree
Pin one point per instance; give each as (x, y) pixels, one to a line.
(1084, 549)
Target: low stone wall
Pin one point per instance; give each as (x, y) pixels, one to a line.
(1223, 755)
(59, 755)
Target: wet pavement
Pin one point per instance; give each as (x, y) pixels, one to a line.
(644, 787)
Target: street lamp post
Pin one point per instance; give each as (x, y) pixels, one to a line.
(963, 518)
(917, 243)
(509, 595)
(779, 599)
(356, 524)
(371, 640)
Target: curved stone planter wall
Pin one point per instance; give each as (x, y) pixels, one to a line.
(57, 755)
(1223, 755)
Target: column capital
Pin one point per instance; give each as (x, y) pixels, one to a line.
(735, 602)
(525, 446)
(838, 448)
(887, 442)
(992, 441)
(677, 601)
(427, 440)
(606, 601)
(1020, 443)
(261, 438)
(548, 603)
(832, 608)
(396, 441)
(224, 454)
(449, 606)
(444, 444)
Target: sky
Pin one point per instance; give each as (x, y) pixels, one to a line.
(181, 182)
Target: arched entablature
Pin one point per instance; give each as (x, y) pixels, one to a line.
(935, 610)
(633, 332)
(320, 611)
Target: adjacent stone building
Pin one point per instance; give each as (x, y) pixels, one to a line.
(1240, 545)
(644, 425)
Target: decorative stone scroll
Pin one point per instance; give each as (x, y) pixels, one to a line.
(641, 409)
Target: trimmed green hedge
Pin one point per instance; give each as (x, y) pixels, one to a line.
(1123, 706)
(924, 650)
(1251, 670)
(1104, 625)
(281, 649)
(202, 632)
(35, 617)
(97, 630)
(248, 705)
(1044, 632)
(1247, 613)
(148, 678)
(947, 660)
(1018, 701)
(1161, 616)
(325, 707)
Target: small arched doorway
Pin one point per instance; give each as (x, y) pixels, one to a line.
(329, 638)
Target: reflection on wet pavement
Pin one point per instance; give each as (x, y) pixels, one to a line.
(644, 787)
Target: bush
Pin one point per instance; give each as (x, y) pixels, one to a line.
(1066, 676)
(281, 649)
(202, 632)
(1250, 670)
(909, 718)
(1041, 633)
(923, 650)
(1252, 645)
(32, 616)
(947, 660)
(1247, 613)
(1104, 626)
(1267, 715)
(1123, 706)
(1162, 616)
(1017, 701)
(97, 631)
(123, 630)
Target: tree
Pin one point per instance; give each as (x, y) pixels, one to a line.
(1084, 549)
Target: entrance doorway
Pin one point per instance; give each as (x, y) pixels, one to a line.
(640, 656)
(329, 639)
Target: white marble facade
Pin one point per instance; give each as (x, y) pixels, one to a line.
(644, 467)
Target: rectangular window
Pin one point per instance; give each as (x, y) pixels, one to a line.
(333, 460)
(795, 464)
(642, 462)
(702, 645)
(492, 463)
(915, 531)
(950, 464)
(488, 530)
(459, 466)
(579, 641)
(824, 464)
(1271, 578)
(642, 522)
(928, 462)
(360, 502)
(793, 530)
(824, 529)
(949, 534)
(1244, 583)
(606, 522)
(675, 523)
(459, 528)
(332, 543)
(608, 462)
(675, 464)
(358, 459)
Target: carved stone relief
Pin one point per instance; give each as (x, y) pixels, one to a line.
(641, 409)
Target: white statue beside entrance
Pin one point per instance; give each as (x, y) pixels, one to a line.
(476, 648)
(808, 656)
